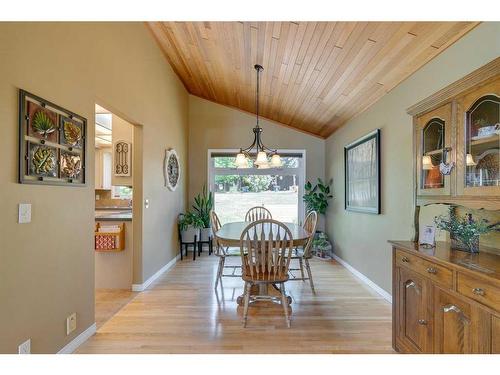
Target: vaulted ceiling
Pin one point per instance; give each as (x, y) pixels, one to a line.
(317, 75)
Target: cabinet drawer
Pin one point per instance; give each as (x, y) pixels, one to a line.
(479, 290)
(435, 272)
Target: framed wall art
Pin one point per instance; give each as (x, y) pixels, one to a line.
(122, 152)
(362, 174)
(52, 143)
(172, 169)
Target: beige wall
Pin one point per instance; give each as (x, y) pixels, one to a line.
(361, 239)
(215, 126)
(47, 266)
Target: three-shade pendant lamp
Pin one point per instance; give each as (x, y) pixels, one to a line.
(264, 156)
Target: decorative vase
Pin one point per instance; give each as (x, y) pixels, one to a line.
(189, 234)
(458, 244)
(205, 234)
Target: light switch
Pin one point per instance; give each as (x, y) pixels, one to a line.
(24, 213)
(146, 203)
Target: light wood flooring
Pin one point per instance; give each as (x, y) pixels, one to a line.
(181, 313)
(108, 302)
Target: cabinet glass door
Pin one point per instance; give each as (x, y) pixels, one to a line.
(480, 132)
(433, 136)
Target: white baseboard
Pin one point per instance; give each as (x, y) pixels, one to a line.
(364, 279)
(78, 340)
(148, 282)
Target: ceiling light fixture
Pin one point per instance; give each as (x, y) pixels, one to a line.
(262, 162)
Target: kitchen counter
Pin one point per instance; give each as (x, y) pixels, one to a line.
(113, 215)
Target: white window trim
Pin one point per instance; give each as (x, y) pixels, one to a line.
(300, 172)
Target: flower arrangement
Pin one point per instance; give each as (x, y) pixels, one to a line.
(464, 231)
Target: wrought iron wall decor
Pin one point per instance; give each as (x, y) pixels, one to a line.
(172, 169)
(52, 143)
(122, 151)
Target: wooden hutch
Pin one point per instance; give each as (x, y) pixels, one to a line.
(446, 300)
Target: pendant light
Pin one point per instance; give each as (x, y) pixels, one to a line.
(257, 147)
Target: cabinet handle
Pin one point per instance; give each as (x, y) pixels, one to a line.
(422, 322)
(432, 270)
(412, 284)
(405, 260)
(478, 291)
(455, 309)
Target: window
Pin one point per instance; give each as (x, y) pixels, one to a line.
(121, 192)
(235, 190)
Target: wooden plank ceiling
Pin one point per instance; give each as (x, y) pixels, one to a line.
(317, 75)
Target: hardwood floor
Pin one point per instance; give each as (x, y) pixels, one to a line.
(181, 313)
(109, 301)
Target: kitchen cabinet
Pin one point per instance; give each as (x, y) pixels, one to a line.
(103, 168)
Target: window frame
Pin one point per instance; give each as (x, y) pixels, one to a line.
(300, 172)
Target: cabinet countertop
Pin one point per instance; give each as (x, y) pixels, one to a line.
(486, 262)
(108, 215)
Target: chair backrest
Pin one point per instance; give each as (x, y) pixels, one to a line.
(258, 213)
(216, 225)
(310, 226)
(214, 220)
(266, 249)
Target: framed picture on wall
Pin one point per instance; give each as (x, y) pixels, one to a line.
(362, 174)
(51, 143)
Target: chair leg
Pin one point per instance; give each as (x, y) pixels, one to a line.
(245, 307)
(301, 263)
(219, 271)
(284, 303)
(309, 274)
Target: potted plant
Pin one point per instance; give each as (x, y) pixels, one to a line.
(203, 204)
(189, 226)
(316, 199)
(464, 231)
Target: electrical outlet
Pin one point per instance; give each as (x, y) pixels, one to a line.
(25, 347)
(70, 323)
(24, 213)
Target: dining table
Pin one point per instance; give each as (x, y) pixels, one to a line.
(229, 235)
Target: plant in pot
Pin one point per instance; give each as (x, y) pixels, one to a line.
(189, 226)
(316, 199)
(203, 204)
(464, 231)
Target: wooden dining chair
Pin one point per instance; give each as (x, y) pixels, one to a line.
(258, 213)
(223, 252)
(266, 249)
(305, 253)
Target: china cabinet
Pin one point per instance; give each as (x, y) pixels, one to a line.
(445, 300)
(457, 142)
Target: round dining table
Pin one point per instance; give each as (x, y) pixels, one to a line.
(230, 233)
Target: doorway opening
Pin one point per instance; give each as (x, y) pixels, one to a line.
(115, 153)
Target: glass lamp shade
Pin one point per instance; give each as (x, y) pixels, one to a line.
(427, 162)
(276, 161)
(469, 160)
(261, 159)
(241, 161)
(263, 166)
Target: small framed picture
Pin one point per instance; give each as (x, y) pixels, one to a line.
(427, 236)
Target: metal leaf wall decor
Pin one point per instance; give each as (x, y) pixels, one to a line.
(51, 143)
